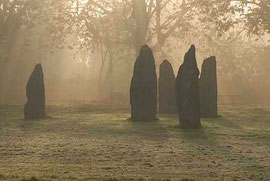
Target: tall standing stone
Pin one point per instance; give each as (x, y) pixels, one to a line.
(208, 88)
(187, 91)
(143, 90)
(166, 88)
(35, 92)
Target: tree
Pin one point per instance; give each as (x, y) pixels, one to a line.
(257, 14)
(116, 29)
(14, 16)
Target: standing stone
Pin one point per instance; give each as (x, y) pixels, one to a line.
(143, 90)
(187, 91)
(208, 88)
(35, 92)
(166, 88)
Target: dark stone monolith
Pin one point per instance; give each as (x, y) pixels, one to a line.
(143, 89)
(208, 88)
(35, 92)
(166, 88)
(187, 91)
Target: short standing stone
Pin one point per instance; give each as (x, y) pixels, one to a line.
(166, 88)
(35, 92)
(187, 91)
(208, 88)
(143, 89)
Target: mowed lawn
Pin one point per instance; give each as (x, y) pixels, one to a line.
(91, 142)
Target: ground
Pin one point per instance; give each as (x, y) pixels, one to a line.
(91, 142)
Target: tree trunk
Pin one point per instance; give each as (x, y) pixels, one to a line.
(142, 21)
(158, 30)
(108, 83)
(2, 70)
(100, 84)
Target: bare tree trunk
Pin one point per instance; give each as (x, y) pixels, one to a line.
(158, 27)
(108, 82)
(2, 65)
(142, 21)
(109, 76)
(106, 86)
(100, 84)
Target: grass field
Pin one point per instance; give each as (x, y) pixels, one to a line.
(87, 142)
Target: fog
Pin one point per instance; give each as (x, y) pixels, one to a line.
(88, 50)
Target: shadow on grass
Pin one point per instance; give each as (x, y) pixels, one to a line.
(97, 109)
(29, 124)
(31, 179)
(151, 130)
(222, 122)
(194, 135)
(190, 135)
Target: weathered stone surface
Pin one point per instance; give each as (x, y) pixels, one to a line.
(208, 88)
(35, 92)
(166, 88)
(187, 91)
(143, 89)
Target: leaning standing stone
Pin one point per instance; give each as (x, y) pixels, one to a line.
(208, 88)
(35, 92)
(187, 91)
(143, 89)
(166, 88)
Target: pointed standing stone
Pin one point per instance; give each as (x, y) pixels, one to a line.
(166, 88)
(208, 88)
(143, 89)
(187, 91)
(35, 91)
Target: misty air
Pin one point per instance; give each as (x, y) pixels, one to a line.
(114, 90)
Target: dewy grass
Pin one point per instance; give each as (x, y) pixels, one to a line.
(88, 142)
